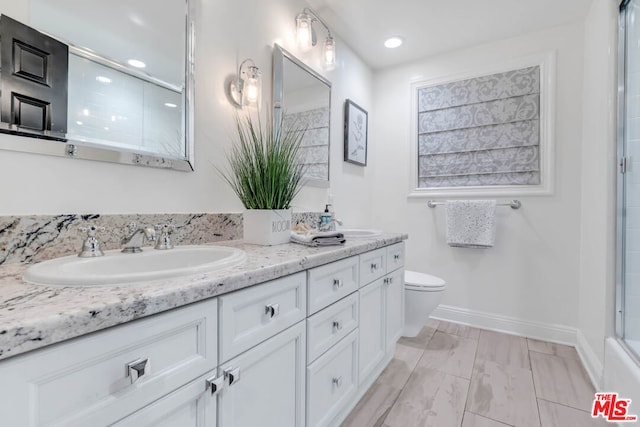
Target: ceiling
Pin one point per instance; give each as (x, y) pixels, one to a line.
(430, 27)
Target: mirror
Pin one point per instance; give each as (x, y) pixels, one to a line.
(304, 97)
(117, 111)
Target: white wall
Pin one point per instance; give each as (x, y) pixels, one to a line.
(226, 33)
(531, 275)
(597, 234)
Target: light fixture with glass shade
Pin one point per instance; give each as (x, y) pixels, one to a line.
(246, 88)
(306, 37)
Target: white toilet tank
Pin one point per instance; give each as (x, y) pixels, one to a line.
(422, 294)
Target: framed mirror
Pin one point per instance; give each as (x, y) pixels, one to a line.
(303, 96)
(130, 82)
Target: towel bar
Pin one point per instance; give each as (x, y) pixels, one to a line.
(514, 204)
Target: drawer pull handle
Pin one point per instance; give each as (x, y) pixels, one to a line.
(337, 283)
(136, 369)
(337, 325)
(272, 310)
(215, 384)
(396, 257)
(232, 375)
(374, 266)
(337, 382)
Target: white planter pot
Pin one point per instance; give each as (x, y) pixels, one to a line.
(267, 227)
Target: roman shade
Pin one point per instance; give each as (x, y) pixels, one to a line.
(483, 131)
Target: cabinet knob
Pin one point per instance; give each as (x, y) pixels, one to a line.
(272, 310)
(396, 257)
(215, 384)
(337, 325)
(337, 382)
(137, 369)
(337, 283)
(232, 375)
(374, 266)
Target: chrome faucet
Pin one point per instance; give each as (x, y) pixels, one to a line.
(91, 245)
(164, 241)
(131, 243)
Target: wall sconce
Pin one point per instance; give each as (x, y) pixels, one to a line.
(246, 89)
(306, 36)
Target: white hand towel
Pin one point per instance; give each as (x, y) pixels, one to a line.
(323, 238)
(470, 223)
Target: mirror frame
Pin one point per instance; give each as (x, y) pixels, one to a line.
(279, 56)
(54, 144)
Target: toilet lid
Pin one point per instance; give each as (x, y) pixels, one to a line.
(422, 281)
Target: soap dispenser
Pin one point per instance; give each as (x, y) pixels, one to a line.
(325, 218)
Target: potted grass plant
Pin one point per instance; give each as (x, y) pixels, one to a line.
(266, 172)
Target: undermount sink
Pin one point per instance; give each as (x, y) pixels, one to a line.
(359, 233)
(115, 267)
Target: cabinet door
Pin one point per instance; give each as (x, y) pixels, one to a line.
(332, 381)
(372, 328)
(265, 386)
(193, 405)
(395, 307)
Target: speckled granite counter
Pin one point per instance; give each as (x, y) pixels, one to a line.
(33, 316)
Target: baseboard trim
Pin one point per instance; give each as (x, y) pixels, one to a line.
(511, 325)
(591, 362)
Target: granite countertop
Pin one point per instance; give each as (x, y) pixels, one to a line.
(33, 316)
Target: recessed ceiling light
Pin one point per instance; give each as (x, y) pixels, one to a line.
(136, 63)
(393, 42)
(170, 105)
(103, 79)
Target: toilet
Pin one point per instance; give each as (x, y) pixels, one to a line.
(422, 294)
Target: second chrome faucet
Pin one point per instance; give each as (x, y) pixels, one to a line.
(132, 242)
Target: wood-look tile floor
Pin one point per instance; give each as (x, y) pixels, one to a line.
(453, 375)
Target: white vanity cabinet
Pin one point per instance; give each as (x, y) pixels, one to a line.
(99, 379)
(332, 340)
(297, 351)
(381, 308)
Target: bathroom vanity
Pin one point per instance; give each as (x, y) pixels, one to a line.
(293, 337)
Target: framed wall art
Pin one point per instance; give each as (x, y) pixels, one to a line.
(355, 133)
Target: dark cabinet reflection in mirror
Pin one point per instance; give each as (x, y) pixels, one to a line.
(127, 94)
(33, 80)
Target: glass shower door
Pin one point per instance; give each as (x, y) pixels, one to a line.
(628, 291)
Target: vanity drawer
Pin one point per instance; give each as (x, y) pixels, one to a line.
(86, 381)
(373, 265)
(395, 257)
(327, 327)
(250, 316)
(332, 381)
(331, 282)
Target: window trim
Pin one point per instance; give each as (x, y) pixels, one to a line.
(547, 63)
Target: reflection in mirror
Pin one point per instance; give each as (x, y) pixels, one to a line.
(117, 111)
(304, 98)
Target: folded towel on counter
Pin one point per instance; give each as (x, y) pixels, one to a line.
(470, 223)
(322, 238)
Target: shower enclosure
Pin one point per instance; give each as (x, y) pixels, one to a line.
(628, 236)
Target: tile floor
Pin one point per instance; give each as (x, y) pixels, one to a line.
(452, 375)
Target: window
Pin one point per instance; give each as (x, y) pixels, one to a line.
(486, 134)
